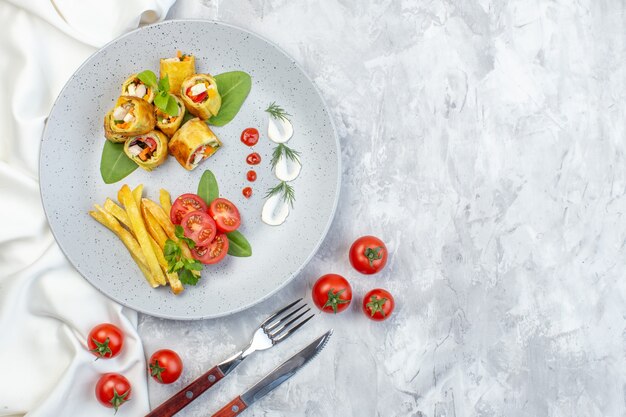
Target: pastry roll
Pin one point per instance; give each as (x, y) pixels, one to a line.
(178, 69)
(193, 143)
(132, 116)
(108, 133)
(134, 87)
(200, 95)
(148, 150)
(170, 124)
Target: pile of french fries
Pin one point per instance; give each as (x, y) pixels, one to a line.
(144, 226)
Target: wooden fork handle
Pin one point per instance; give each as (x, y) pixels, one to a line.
(232, 409)
(185, 396)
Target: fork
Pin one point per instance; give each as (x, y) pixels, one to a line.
(276, 328)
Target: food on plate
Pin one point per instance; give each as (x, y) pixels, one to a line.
(368, 254)
(251, 176)
(279, 128)
(133, 86)
(285, 163)
(250, 136)
(276, 207)
(378, 304)
(132, 116)
(113, 390)
(199, 227)
(105, 340)
(247, 192)
(214, 252)
(166, 200)
(148, 150)
(193, 143)
(253, 159)
(185, 204)
(225, 214)
(119, 220)
(108, 132)
(177, 69)
(200, 95)
(332, 293)
(165, 366)
(167, 123)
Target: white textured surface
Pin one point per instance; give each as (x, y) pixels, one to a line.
(484, 141)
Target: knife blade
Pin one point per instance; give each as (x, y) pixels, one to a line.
(279, 375)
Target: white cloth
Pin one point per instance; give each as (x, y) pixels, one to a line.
(46, 307)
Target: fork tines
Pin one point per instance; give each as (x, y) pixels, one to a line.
(282, 324)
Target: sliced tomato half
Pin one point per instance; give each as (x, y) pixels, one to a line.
(184, 204)
(225, 214)
(212, 253)
(199, 227)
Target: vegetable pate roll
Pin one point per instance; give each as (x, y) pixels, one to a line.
(134, 87)
(178, 68)
(108, 133)
(170, 124)
(132, 116)
(148, 150)
(193, 143)
(200, 95)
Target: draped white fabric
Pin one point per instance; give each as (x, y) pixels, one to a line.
(46, 307)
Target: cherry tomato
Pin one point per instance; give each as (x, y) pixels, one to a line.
(196, 99)
(225, 214)
(165, 366)
(253, 159)
(250, 136)
(378, 304)
(184, 204)
(251, 175)
(213, 253)
(247, 192)
(332, 293)
(105, 340)
(199, 227)
(368, 255)
(113, 390)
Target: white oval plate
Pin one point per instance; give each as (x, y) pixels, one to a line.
(71, 182)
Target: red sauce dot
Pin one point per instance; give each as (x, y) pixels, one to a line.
(250, 136)
(251, 175)
(253, 159)
(247, 192)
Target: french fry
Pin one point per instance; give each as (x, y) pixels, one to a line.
(137, 193)
(107, 220)
(117, 212)
(172, 277)
(154, 228)
(165, 200)
(165, 222)
(139, 229)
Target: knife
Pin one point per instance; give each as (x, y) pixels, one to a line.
(275, 378)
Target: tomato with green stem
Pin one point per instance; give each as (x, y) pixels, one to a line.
(113, 390)
(332, 293)
(378, 304)
(368, 255)
(165, 366)
(105, 340)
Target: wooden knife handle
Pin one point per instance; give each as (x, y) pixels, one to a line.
(232, 409)
(185, 396)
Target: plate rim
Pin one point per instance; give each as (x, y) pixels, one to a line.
(317, 245)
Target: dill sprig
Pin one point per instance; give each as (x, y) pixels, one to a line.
(287, 151)
(277, 112)
(284, 189)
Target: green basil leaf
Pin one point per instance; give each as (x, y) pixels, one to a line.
(164, 84)
(114, 164)
(149, 78)
(171, 107)
(187, 277)
(233, 88)
(161, 102)
(238, 245)
(207, 187)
